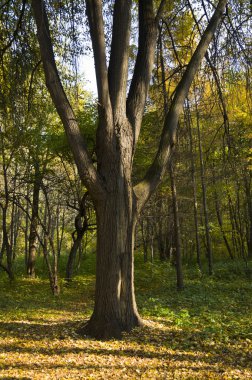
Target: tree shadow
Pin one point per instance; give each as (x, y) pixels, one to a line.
(178, 345)
(111, 367)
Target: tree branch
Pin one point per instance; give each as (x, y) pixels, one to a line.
(216, 78)
(160, 10)
(105, 131)
(87, 171)
(15, 33)
(95, 20)
(2, 6)
(154, 175)
(118, 65)
(143, 67)
(31, 83)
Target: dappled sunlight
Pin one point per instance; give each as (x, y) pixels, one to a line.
(185, 335)
(48, 349)
(188, 335)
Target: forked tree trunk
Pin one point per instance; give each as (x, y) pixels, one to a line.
(120, 118)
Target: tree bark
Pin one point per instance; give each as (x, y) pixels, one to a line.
(115, 306)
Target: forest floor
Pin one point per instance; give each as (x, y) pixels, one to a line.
(203, 332)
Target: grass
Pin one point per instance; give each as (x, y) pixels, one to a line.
(203, 332)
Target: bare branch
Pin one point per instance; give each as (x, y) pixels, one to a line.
(173, 43)
(15, 33)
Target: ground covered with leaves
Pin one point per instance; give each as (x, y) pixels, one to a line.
(203, 332)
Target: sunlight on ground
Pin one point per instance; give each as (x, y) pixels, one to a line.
(46, 349)
(187, 335)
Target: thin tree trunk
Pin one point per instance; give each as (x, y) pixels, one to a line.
(17, 223)
(60, 229)
(162, 239)
(6, 246)
(204, 196)
(179, 271)
(219, 218)
(52, 271)
(13, 216)
(76, 245)
(144, 240)
(232, 218)
(240, 223)
(249, 208)
(34, 223)
(81, 226)
(178, 257)
(26, 229)
(194, 184)
(152, 243)
(48, 240)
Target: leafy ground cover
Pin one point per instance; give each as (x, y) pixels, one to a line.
(203, 332)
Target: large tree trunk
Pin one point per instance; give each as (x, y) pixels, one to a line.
(115, 307)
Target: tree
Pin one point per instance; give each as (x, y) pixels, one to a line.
(117, 201)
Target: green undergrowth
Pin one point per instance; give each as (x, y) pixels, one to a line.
(217, 307)
(220, 305)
